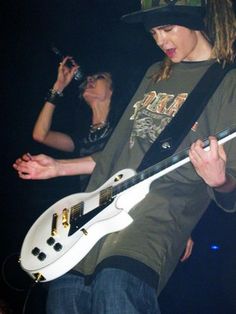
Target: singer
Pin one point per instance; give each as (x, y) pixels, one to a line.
(96, 91)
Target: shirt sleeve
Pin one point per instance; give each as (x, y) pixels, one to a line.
(225, 116)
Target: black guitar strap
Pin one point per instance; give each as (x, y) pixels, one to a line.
(171, 137)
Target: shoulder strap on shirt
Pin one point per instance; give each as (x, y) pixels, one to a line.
(171, 137)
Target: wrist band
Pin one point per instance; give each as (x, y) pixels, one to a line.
(54, 97)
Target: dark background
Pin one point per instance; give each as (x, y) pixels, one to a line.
(91, 31)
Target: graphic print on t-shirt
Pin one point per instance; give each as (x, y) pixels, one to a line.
(153, 113)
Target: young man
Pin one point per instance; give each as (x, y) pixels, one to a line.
(126, 270)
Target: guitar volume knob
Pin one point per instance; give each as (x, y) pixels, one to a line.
(42, 256)
(58, 247)
(51, 241)
(35, 251)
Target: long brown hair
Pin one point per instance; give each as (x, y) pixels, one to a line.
(220, 31)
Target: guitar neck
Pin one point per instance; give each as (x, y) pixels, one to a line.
(171, 163)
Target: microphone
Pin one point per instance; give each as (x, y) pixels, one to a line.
(78, 74)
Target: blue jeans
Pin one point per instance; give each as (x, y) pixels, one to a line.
(113, 291)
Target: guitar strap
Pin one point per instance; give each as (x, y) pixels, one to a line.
(173, 134)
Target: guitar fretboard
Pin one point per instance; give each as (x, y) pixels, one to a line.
(222, 137)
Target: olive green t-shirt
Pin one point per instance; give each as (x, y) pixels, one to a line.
(166, 216)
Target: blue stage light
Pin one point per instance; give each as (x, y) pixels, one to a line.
(214, 247)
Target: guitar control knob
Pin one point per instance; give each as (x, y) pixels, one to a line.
(50, 241)
(35, 251)
(42, 256)
(58, 247)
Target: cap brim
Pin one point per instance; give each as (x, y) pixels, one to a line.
(137, 16)
(189, 16)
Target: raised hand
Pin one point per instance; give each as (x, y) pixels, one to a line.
(65, 73)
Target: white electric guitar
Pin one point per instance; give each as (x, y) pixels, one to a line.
(67, 230)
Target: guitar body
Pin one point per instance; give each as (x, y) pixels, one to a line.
(67, 230)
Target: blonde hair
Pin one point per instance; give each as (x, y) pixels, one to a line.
(220, 31)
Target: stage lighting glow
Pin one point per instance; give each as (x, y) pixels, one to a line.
(214, 247)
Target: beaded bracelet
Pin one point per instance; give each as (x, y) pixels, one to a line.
(54, 97)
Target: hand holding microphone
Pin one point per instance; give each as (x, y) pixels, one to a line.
(68, 70)
(65, 73)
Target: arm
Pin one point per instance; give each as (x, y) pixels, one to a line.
(44, 167)
(42, 130)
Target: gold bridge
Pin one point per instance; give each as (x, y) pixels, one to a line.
(54, 224)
